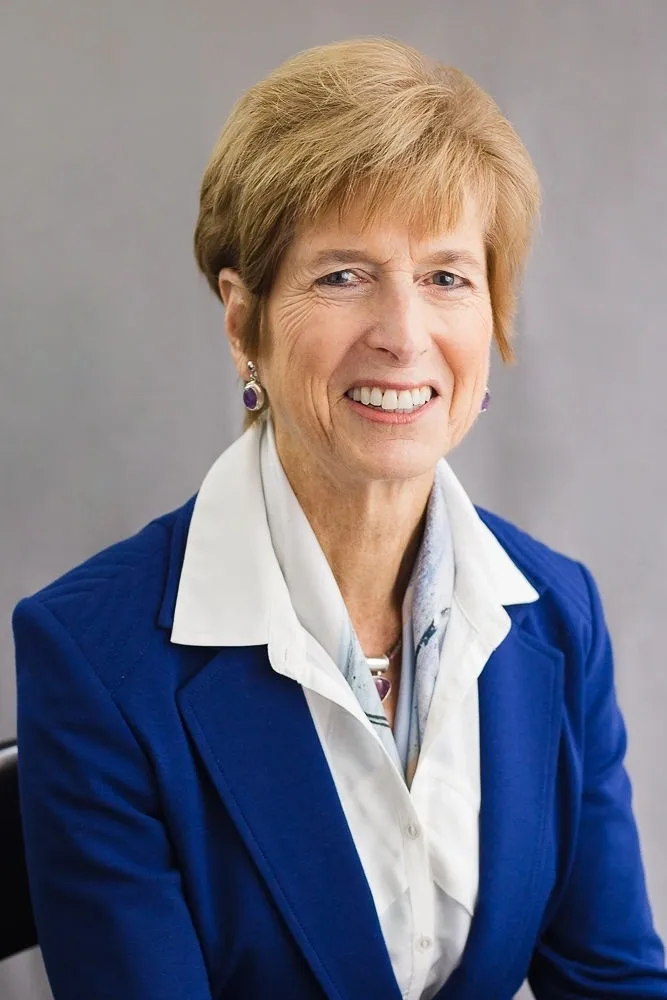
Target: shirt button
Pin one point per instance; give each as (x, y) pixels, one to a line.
(412, 831)
(424, 943)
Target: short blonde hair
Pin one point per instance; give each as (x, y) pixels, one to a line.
(370, 117)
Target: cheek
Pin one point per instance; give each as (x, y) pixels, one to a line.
(467, 359)
(308, 341)
(319, 331)
(466, 352)
(469, 348)
(287, 339)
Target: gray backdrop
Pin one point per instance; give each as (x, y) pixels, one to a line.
(116, 391)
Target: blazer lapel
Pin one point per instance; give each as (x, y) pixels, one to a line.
(520, 693)
(256, 737)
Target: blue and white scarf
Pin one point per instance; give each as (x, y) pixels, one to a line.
(321, 610)
(425, 612)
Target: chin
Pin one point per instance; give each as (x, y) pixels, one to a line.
(401, 460)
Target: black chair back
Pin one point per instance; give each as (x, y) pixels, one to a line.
(17, 927)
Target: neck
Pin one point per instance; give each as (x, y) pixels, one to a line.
(370, 533)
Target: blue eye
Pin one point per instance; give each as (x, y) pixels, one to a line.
(336, 278)
(449, 281)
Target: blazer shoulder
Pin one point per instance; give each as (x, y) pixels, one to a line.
(545, 567)
(115, 594)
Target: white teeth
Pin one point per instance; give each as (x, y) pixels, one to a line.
(391, 399)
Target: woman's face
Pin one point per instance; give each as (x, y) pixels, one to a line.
(377, 312)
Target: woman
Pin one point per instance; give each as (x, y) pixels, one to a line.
(328, 730)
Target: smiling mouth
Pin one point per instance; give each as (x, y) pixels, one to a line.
(389, 400)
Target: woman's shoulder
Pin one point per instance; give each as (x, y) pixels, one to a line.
(563, 576)
(120, 587)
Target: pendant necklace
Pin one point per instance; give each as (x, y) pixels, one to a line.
(378, 665)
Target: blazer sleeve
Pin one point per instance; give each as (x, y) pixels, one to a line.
(111, 916)
(601, 942)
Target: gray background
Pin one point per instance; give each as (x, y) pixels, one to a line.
(116, 391)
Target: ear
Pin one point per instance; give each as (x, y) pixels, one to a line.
(235, 298)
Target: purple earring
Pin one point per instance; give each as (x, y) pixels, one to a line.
(253, 391)
(485, 402)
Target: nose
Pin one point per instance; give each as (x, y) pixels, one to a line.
(399, 323)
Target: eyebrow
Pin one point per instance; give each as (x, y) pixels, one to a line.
(351, 255)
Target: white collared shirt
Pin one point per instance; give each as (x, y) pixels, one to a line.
(419, 847)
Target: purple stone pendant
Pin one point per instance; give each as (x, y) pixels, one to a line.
(378, 665)
(383, 686)
(485, 402)
(253, 393)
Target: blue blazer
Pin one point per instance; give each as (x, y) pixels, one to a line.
(185, 840)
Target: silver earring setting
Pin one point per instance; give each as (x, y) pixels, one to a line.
(253, 391)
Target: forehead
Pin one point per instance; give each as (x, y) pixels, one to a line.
(389, 232)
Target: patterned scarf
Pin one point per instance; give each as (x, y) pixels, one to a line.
(425, 614)
(320, 608)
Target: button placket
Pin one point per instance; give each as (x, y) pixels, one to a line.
(421, 890)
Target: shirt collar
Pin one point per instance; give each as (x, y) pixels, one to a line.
(231, 585)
